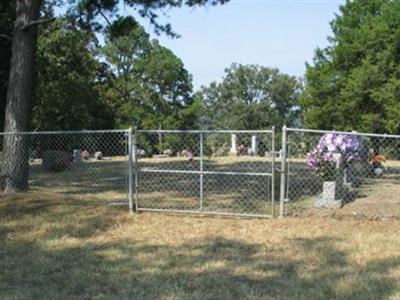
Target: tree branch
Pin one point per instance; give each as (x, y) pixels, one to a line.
(36, 23)
(104, 16)
(5, 36)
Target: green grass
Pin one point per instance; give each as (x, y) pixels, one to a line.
(55, 247)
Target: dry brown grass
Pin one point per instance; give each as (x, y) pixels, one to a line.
(55, 247)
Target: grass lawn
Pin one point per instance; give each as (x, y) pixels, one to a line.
(56, 246)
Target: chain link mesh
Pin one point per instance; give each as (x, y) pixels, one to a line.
(84, 165)
(205, 172)
(218, 172)
(345, 174)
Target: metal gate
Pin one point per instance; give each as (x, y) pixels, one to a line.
(225, 172)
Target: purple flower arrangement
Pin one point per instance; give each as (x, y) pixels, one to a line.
(322, 158)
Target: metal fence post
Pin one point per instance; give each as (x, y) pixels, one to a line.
(273, 172)
(130, 171)
(201, 170)
(283, 172)
(136, 170)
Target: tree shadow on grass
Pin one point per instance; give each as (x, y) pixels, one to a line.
(94, 178)
(72, 217)
(216, 268)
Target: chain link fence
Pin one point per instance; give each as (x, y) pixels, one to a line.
(224, 172)
(90, 165)
(341, 173)
(207, 172)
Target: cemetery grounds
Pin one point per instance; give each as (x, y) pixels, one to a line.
(376, 198)
(61, 240)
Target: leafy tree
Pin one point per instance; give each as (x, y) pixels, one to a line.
(66, 95)
(354, 83)
(20, 83)
(148, 82)
(126, 51)
(167, 88)
(251, 97)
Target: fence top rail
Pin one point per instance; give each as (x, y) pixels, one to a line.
(63, 132)
(344, 132)
(202, 131)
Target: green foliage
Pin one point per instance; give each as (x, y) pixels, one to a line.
(66, 95)
(354, 83)
(251, 97)
(71, 84)
(87, 11)
(148, 85)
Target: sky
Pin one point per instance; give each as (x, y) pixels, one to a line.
(281, 34)
(274, 33)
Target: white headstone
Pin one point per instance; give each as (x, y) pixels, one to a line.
(233, 149)
(98, 155)
(254, 144)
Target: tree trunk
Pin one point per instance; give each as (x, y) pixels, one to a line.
(15, 171)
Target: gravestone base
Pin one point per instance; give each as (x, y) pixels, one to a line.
(233, 153)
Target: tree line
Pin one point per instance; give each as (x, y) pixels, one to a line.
(92, 68)
(132, 80)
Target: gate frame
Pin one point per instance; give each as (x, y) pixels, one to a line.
(134, 166)
(284, 173)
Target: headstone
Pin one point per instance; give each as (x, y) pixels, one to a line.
(137, 153)
(332, 191)
(251, 152)
(328, 197)
(167, 152)
(98, 155)
(233, 150)
(76, 156)
(254, 145)
(329, 191)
